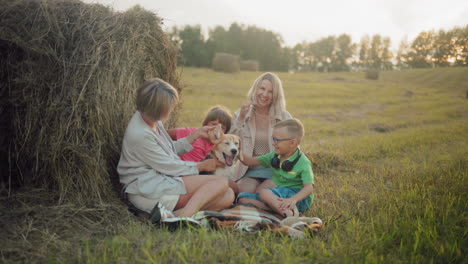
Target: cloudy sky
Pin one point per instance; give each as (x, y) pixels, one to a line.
(310, 20)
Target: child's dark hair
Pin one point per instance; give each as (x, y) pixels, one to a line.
(220, 113)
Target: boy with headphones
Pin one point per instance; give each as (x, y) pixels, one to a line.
(292, 173)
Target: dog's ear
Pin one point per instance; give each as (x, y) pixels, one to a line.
(241, 154)
(216, 134)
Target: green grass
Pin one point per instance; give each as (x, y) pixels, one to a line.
(394, 196)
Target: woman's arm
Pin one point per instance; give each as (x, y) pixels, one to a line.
(179, 138)
(153, 155)
(172, 133)
(183, 144)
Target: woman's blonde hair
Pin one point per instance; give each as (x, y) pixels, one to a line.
(156, 98)
(278, 103)
(220, 113)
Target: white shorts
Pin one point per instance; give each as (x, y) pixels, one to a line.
(169, 201)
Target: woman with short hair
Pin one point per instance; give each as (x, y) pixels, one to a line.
(150, 167)
(254, 122)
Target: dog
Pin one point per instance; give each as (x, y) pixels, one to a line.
(226, 149)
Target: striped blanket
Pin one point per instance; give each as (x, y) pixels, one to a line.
(251, 219)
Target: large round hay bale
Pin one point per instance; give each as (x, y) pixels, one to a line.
(249, 65)
(69, 74)
(372, 74)
(226, 62)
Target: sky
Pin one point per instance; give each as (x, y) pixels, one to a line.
(310, 20)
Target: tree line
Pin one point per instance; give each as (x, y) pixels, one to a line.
(333, 53)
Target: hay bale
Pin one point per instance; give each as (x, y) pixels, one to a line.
(372, 74)
(69, 74)
(249, 65)
(381, 128)
(226, 62)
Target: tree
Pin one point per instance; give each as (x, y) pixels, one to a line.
(193, 51)
(301, 57)
(323, 53)
(250, 43)
(234, 39)
(364, 52)
(375, 52)
(443, 48)
(386, 55)
(422, 49)
(461, 46)
(402, 54)
(344, 50)
(287, 59)
(219, 38)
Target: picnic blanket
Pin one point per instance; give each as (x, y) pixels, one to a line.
(246, 218)
(251, 219)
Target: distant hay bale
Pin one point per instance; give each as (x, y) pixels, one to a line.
(69, 73)
(249, 65)
(408, 93)
(226, 62)
(381, 128)
(372, 74)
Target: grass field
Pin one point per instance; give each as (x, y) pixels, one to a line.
(391, 177)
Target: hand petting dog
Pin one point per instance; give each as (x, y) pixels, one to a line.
(201, 132)
(209, 165)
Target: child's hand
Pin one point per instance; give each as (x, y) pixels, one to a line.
(287, 203)
(201, 132)
(249, 161)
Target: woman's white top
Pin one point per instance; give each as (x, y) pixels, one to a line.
(149, 164)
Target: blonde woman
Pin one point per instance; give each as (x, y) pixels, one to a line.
(155, 178)
(254, 122)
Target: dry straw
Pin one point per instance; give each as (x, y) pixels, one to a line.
(69, 72)
(226, 62)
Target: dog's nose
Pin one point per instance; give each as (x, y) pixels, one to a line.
(234, 151)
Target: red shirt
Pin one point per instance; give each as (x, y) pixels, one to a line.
(201, 147)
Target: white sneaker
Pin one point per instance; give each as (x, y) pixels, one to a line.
(160, 213)
(165, 214)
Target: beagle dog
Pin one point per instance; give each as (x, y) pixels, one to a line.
(226, 149)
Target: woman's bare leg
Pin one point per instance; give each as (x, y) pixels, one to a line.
(233, 185)
(204, 192)
(267, 183)
(248, 184)
(222, 202)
